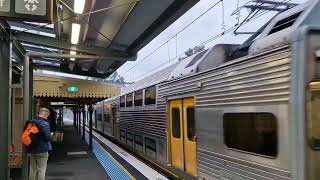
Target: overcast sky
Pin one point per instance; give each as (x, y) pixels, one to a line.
(204, 28)
(207, 26)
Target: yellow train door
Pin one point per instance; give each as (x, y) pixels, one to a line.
(182, 138)
(189, 136)
(176, 138)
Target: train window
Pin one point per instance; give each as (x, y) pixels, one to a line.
(191, 126)
(122, 136)
(150, 147)
(150, 95)
(129, 100)
(99, 117)
(138, 98)
(106, 118)
(130, 139)
(122, 101)
(176, 129)
(138, 140)
(285, 23)
(313, 105)
(251, 132)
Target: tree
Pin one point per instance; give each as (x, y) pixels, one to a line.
(113, 78)
(192, 51)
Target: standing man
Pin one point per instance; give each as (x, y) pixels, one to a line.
(38, 151)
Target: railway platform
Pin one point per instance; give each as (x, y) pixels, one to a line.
(72, 158)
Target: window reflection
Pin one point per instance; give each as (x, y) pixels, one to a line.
(313, 114)
(251, 132)
(150, 97)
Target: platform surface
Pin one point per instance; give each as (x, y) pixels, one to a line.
(71, 159)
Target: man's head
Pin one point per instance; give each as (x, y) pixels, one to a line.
(44, 113)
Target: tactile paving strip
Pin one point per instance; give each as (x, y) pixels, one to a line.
(113, 169)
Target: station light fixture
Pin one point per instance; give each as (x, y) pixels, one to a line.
(79, 6)
(73, 53)
(75, 33)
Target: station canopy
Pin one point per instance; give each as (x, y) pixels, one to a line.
(114, 29)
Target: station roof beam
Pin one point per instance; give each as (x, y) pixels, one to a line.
(109, 28)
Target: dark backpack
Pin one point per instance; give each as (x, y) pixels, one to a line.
(30, 134)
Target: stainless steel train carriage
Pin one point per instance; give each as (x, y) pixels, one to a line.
(238, 112)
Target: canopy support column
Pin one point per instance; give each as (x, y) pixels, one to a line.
(90, 125)
(27, 106)
(5, 52)
(74, 117)
(79, 119)
(83, 124)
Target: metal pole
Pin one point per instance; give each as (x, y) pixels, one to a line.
(74, 118)
(79, 120)
(87, 113)
(31, 99)
(26, 110)
(11, 101)
(4, 106)
(62, 114)
(83, 124)
(90, 124)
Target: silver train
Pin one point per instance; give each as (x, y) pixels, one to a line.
(236, 112)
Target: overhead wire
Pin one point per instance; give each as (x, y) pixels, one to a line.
(84, 19)
(257, 15)
(184, 28)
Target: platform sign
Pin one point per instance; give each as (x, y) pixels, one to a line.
(5, 5)
(33, 7)
(73, 89)
(27, 10)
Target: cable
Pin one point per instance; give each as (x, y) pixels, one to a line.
(168, 52)
(75, 16)
(255, 16)
(214, 38)
(152, 52)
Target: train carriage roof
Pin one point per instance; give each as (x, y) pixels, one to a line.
(278, 32)
(153, 79)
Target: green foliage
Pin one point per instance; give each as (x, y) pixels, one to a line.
(113, 78)
(192, 51)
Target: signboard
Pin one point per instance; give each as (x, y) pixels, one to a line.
(73, 89)
(5, 5)
(27, 10)
(57, 103)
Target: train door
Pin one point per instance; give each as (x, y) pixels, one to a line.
(182, 138)
(313, 115)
